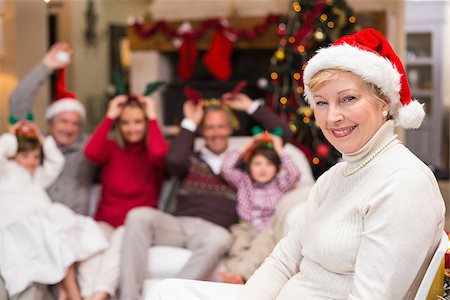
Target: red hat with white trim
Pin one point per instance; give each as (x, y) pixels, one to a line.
(368, 54)
(64, 100)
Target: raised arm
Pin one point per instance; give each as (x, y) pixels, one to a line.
(269, 120)
(289, 174)
(182, 146)
(156, 144)
(23, 96)
(8, 148)
(53, 162)
(98, 146)
(230, 172)
(262, 114)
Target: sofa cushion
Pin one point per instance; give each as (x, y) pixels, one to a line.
(165, 261)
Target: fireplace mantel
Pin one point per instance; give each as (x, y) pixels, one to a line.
(162, 43)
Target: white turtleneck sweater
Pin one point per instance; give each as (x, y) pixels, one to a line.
(369, 235)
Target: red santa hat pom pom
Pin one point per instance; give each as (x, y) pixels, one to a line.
(369, 55)
(65, 101)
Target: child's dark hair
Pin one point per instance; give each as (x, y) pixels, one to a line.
(268, 153)
(27, 144)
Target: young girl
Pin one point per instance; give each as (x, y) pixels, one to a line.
(133, 170)
(39, 240)
(259, 188)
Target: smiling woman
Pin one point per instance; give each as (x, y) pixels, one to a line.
(133, 168)
(356, 86)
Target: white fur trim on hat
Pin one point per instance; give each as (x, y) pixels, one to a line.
(410, 116)
(371, 68)
(63, 105)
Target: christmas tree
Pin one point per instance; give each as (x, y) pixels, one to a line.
(310, 25)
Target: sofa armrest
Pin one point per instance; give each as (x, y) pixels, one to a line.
(289, 209)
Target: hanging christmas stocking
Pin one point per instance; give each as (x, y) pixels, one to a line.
(187, 52)
(218, 58)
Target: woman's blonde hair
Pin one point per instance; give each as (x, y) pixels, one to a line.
(327, 74)
(116, 135)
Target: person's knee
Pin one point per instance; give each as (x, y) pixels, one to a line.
(140, 216)
(217, 239)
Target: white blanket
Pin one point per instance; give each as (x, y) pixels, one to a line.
(41, 246)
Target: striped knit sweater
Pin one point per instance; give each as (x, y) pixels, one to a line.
(369, 235)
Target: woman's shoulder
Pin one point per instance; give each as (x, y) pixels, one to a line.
(401, 161)
(403, 176)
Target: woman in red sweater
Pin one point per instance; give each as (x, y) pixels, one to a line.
(130, 148)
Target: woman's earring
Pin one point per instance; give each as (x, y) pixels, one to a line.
(385, 113)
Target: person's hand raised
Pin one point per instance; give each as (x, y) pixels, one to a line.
(37, 131)
(193, 112)
(115, 106)
(277, 144)
(239, 101)
(27, 129)
(58, 56)
(150, 107)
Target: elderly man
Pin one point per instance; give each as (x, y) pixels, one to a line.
(206, 204)
(65, 118)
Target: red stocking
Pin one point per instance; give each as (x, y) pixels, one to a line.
(187, 52)
(217, 59)
(188, 58)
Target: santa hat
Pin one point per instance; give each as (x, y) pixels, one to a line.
(368, 54)
(64, 100)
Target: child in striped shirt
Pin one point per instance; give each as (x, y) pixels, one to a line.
(267, 174)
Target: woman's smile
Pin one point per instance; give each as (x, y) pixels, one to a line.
(343, 132)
